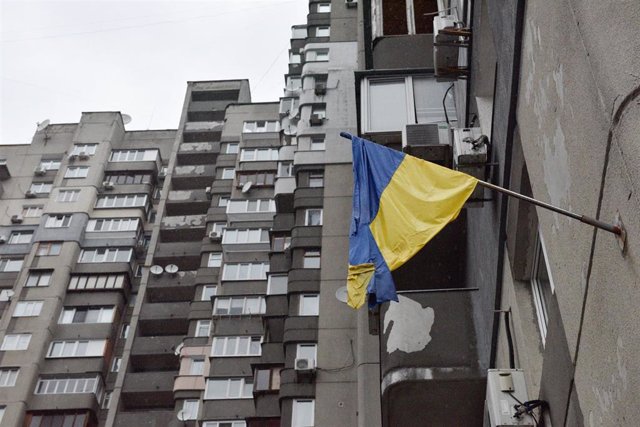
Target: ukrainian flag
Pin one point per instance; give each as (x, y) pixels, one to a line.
(399, 203)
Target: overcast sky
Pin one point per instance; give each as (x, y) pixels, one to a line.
(60, 58)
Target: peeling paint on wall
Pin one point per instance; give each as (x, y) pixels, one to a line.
(410, 326)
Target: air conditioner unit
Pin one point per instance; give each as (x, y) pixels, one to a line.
(29, 194)
(73, 157)
(208, 192)
(3, 239)
(429, 141)
(321, 88)
(305, 365)
(316, 120)
(17, 219)
(83, 156)
(108, 185)
(505, 389)
(162, 174)
(40, 170)
(351, 3)
(214, 236)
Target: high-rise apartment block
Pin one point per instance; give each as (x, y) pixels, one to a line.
(196, 277)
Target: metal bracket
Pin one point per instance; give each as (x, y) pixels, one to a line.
(622, 237)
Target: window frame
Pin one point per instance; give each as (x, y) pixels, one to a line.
(8, 376)
(72, 172)
(228, 173)
(308, 218)
(49, 248)
(538, 290)
(201, 326)
(243, 391)
(208, 291)
(214, 260)
(29, 210)
(17, 237)
(58, 221)
(244, 271)
(21, 342)
(311, 307)
(229, 303)
(297, 418)
(87, 149)
(46, 274)
(281, 289)
(237, 342)
(31, 308)
(11, 265)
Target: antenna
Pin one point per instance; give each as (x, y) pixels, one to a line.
(126, 119)
(171, 269)
(182, 415)
(247, 186)
(6, 295)
(156, 270)
(42, 125)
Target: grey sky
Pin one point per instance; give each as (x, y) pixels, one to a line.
(59, 58)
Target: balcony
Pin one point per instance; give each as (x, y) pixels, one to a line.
(198, 153)
(186, 255)
(251, 210)
(172, 287)
(143, 390)
(429, 361)
(183, 228)
(187, 202)
(155, 353)
(148, 418)
(192, 177)
(168, 318)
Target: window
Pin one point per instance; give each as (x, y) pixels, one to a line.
(133, 155)
(124, 331)
(190, 409)
(208, 291)
(38, 278)
(316, 180)
(105, 255)
(309, 305)
(113, 224)
(401, 17)
(76, 172)
(122, 201)
(246, 271)
(294, 83)
(215, 259)
(261, 126)
(247, 235)
(197, 366)
(41, 187)
(318, 55)
(258, 154)
(285, 169)
(49, 248)
(303, 413)
(232, 148)
(236, 346)
(72, 315)
(277, 284)
(228, 388)
(223, 201)
(390, 103)
(86, 149)
(129, 178)
(115, 365)
(323, 31)
(70, 386)
(8, 265)
(96, 282)
(311, 259)
(542, 287)
(254, 205)
(229, 423)
(50, 165)
(228, 173)
(73, 418)
(266, 379)
(280, 243)
(317, 144)
(20, 237)
(28, 309)
(324, 7)
(15, 342)
(106, 401)
(313, 217)
(307, 351)
(239, 305)
(8, 377)
(258, 179)
(319, 111)
(203, 327)
(32, 211)
(79, 348)
(296, 58)
(58, 221)
(68, 196)
(299, 32)
(219, 227)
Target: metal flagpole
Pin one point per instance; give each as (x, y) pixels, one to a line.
(615, 229)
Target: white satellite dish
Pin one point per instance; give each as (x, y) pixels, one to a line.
(126, 119)
(341, 294)
(171, 269)
(43, 125)
(178, 349)
(247, 186)
(6, 295)
(182, 415)
(156, 270)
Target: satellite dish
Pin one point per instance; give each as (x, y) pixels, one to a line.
(182, 415)
(156, 270)
(178, 349)
(171, 269)
(126, 119)
(341, 294)
(43, 125)
(247, 186)
(6, 295)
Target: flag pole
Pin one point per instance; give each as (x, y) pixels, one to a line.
(615, 229)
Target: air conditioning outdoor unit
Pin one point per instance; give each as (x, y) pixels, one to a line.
(316, 120)
(3, 239)
(73, 157)
(108, 185)
(214, 236)
(17, 219)
(162, 174)
(506, 388)
(29, 194)
(305, 365)
(429, 141)
(83, 156)
(40, 170)
(321, 88)
(351, 3)
(208, 192)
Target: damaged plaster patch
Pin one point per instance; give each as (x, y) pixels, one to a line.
(410, 325)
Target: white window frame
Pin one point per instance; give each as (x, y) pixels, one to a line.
(226, 303)
(300, 418)
(41, 187)
(58, 221)
(105, 255)
(29, 211)
(214, 259)
(317, 143)
(28, 309)
(87, 149)
(294, 83)
(68, 196)
(98, 282)
(316, 55)
(323, 7)
(285, 169)
(35, 277)
(278, 288)
(540, 305)
(20, 237)
(261, 126)
(223, 201)
(50, 165)
(203, 328)
(309, 305)
(228, 173)
(115, 364)
(127, 201)
(242, 206)
(15, 342)
(236, 346)
(139, 155)
(308, 217)
(62, 349)
(245, 271)
(244, 391)
(107, 225)
(225, 423)
(245, 235)
(10, 265)
(74, 172)
(104, 314)
(90, 384)
(258, 154)
(190, 409)
(232, 148)
(311, 259)
(322, 31)
(196, 366)
(316, 180)
(9, 376)
(208, 291)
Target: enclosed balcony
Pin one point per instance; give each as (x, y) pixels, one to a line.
(186, 255)
(183, 228)
(198, 153)
(251, 210)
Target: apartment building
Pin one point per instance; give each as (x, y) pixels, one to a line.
(196, 277)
